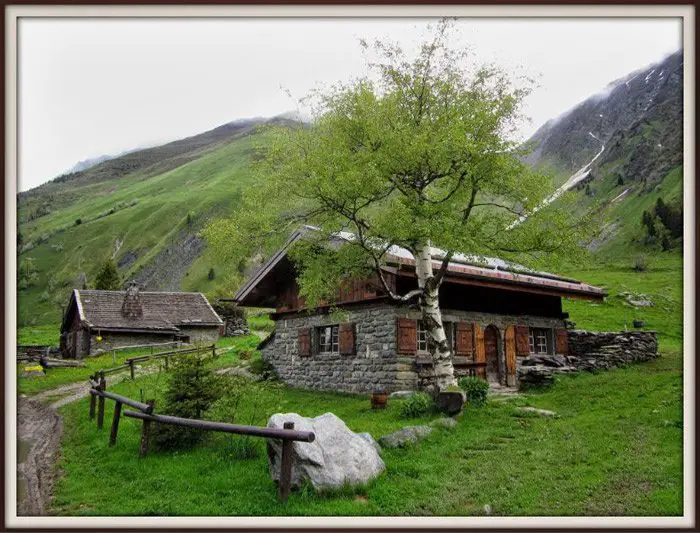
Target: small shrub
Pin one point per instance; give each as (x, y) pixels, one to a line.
(192, 389)
(416, 405)
(264, 369)
(641, 263)
(78, 221)
(476, 389)
(211, 275)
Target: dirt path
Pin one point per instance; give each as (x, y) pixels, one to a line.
(39, 436)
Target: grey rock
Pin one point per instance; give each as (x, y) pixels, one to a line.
(541, 412)
(487, 510)
(337, 457)
(446, 422)
(371, 440)
(402, 394)
(404, 436)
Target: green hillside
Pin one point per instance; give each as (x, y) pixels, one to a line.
(140, 217)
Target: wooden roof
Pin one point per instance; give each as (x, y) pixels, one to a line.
(261, 288)
(162, 311)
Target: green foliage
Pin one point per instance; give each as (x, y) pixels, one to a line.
(78, 221)
(107, 277)
(263, 368)
(27, 274)
(416, 405)
(418, 155)
(641, 263)
(192, 389)
(211, 275)
(477, 390)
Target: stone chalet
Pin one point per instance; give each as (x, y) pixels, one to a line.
(102, 320)
(495, 315)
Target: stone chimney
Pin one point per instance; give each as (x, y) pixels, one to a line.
(131, 308)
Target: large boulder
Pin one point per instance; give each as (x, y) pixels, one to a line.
(335, 458)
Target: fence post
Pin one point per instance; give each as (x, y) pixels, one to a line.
(115, 423)
(167, 358)
(131, 369)
(286, 465)
(93, 400)
(114, 357)
(101, 403)
(213, 351)
(145, 433)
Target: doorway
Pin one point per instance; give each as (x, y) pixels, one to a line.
(491, 353)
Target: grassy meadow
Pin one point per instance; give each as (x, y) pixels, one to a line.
(615, 449)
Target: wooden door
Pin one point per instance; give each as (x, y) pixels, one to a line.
(510, 356)
(491, 353)
(480, 357)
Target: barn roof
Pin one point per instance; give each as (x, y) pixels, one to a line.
(464, 269)
(162, 311)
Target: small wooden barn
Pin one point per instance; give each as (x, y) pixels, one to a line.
(97, 321)
(494, 313)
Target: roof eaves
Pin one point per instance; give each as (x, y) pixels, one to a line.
(81, 311)
(214, 313)
(262, 272)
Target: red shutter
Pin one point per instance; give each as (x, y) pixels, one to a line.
(346, 338)
(305, 341)
(464, 339)
(406, 336)
(562, 341)
(522, 340)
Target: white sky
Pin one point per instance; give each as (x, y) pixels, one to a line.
(92, 87)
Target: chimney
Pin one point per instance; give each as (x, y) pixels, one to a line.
(131, 308)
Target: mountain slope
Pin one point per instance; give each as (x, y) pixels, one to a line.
(620, 150)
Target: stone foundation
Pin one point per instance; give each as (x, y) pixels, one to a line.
(589, 351)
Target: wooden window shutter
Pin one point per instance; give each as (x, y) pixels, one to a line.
(562, 341)
(305, 342)
(464, 339)
(346, 338)
(511, 364)
(406, 336)
(522, 340)
(480, 352)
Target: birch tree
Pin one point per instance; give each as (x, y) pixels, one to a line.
(417, 154)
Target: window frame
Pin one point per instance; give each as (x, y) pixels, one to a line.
(536, 335)
(420, 330)
(332, 344)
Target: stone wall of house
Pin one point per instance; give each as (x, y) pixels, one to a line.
(376, 363)
(111, 340)
(590, 350)
(203, 335)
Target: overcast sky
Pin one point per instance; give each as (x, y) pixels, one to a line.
(92, 87)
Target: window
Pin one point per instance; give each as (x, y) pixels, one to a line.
(539, 341)
(422, 337)
(328, 339)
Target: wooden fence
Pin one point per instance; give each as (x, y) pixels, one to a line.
(130, 362)
(288, 435)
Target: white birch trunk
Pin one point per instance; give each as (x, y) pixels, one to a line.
(432, 319)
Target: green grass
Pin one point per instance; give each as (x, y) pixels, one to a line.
(46, 335)
(616, 449)
(663, 285)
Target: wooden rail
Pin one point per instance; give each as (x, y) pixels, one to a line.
(288, 435)
(131, 361)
